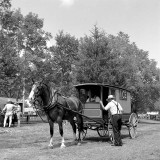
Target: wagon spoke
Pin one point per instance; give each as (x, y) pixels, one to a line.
(133, 121)
(102, 131)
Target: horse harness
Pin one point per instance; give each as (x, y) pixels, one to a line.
(51, 105)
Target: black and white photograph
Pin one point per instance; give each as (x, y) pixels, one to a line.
(79, 80)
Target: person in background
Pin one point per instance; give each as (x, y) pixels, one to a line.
(8, 109)
(93, 98)
(18, 113)
(87, 99)
(97, 99)
(116, 118)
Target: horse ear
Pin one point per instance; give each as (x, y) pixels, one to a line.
(41, 81)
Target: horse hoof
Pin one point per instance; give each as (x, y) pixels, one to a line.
(50, 146)
(63, 146)
(78, 143)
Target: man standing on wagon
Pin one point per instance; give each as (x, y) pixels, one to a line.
(116, 118)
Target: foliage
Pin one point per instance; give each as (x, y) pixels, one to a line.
(99, 57)
(64, 56)
(114, 60)
(94, 58)
(23, 47)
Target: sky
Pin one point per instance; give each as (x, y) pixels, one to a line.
(140, 19)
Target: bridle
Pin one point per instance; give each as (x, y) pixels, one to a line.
(37, 100)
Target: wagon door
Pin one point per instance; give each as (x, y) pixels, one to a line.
(90, 95)
(105, 93)
(124, 98)
(92, 107)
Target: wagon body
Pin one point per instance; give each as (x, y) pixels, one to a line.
(95, 117)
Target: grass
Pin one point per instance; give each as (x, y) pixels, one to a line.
(31, 142)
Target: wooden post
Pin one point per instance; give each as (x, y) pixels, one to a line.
(23, 95)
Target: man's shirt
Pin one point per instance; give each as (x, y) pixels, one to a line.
(114, 107)
(9, 108)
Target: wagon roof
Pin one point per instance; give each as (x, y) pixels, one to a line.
(100, 84)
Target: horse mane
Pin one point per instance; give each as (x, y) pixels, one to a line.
(45, 88)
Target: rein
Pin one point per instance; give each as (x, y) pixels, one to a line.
(40, 115)
(51, 105)
(62, 106)
(45, 109)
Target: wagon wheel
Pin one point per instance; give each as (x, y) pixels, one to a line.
(84, 132)
(133, 121)
(102, 131)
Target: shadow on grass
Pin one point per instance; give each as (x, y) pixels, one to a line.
(102, 139)
(67, 144)
(97, 139)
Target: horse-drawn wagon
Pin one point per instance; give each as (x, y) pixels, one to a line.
(95, 118)
(85, 110)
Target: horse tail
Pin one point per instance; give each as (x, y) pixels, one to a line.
(81, 118)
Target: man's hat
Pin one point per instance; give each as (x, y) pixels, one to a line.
(110, 97)
(9, 101)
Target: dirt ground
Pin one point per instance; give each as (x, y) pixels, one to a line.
(30, 142)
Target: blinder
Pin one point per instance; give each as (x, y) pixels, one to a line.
(36, 100)
(38, 93)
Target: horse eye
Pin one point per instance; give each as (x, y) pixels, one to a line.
(36, 92)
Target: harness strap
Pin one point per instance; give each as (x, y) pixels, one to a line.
(117, 107)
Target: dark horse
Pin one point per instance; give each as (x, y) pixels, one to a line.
(57, 109)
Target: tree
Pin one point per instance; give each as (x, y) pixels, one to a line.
(8, 56)
(115, 60)
(94, 56)
(23, 45)
(64, 56)
(99, 57)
